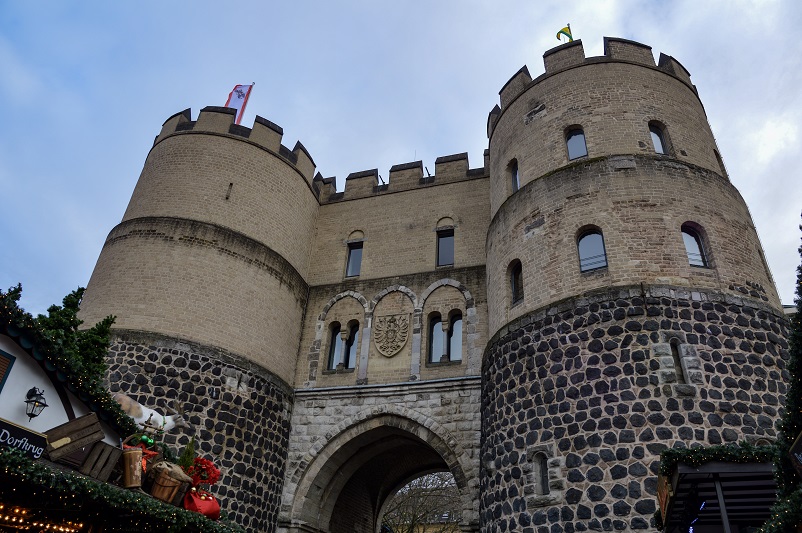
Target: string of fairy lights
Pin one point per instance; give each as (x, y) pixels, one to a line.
(21, 518)
(90, 501)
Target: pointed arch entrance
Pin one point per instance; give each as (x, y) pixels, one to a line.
(343, 488)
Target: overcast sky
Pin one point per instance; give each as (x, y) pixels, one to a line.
(362, 84)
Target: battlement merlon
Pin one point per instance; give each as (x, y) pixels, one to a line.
(572, 54)
(403, 177)
(265, 134)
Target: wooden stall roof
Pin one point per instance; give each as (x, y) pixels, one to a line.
(748, 490)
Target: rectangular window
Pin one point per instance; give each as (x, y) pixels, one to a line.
(354, 259)
(445, 247)
(6, 362)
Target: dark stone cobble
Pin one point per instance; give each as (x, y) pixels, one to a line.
(248, 444)
(621, 401)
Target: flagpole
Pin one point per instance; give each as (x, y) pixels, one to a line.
(571, 38)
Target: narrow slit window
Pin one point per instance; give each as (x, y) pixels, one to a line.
(516, 282)
(514, 178)
(677, 361)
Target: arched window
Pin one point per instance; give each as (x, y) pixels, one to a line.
(512, 170)
(335, 346)
(694, 246)
(437, 345)
(658, 133)
(343, 351)
(575, 141)
(516, 282)
(592, 254)
(455, 337)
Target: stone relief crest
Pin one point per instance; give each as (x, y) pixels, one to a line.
(391, 333)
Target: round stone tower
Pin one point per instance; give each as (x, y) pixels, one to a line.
(206, 276)
(630, 306)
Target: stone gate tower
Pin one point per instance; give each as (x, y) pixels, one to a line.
(647, 316)
(541, 326)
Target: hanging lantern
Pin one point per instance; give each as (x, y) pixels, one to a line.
(34, 403)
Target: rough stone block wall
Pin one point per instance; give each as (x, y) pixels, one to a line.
(238, 413)
(591, 383)
(320, 417)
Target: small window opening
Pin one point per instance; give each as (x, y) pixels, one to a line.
(541, 474)
(445, 247)
(575, 141)
(514, 178)
(516, 282)
(592, 254)
(354, 259)
(677, 361)
(658, 138)
(694, 247)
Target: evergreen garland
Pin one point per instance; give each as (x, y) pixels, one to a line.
(109, 500)
(786, 514)
(76, 356)
(729, 453)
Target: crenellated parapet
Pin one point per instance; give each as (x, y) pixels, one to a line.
(572, 55)
(403, 177)
(264, 134)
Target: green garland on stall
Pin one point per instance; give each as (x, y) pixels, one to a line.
(70, 353)
(786, 515)
(114, 500)
(729, 453)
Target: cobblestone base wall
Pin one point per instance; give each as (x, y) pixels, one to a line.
(580, 399)
(238, 413)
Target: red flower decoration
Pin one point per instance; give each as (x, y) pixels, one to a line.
(203, 472)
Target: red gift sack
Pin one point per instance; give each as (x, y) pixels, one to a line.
(202, 502)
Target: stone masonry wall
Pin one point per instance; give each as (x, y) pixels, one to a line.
(591, 384)
(238, 413)
(450, 410)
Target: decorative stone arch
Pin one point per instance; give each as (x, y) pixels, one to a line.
(312, 488)
(392, 288)
(320, 327)
(474, 353)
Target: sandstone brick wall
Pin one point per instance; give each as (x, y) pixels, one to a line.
(592, 384)
(238, 412)
(400, 230)
(640, 204)
(225, 180)
(613, 102)
(201, 283)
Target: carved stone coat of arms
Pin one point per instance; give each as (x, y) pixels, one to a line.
(391, 332)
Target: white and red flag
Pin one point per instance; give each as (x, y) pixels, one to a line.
(238, 98)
